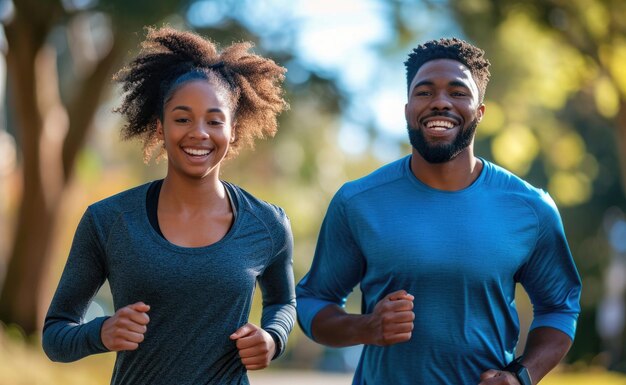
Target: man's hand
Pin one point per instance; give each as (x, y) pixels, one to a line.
(256, 346)
(391, 322)
(498, 377)
(126, 328)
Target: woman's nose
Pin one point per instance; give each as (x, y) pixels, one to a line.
(199, 130)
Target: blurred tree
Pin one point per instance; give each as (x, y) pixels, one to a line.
(54, 108)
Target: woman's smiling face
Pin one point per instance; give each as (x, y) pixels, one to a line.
(197, 128)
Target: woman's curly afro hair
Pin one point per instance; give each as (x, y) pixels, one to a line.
(168, 55)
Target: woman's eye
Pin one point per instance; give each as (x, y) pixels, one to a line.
(181, 120)
(215, 122)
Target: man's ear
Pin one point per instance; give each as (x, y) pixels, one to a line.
(480, 112)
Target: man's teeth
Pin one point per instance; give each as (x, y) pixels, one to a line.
(197, 152)
(439, 124)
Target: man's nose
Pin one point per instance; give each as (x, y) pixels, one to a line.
(441, 101)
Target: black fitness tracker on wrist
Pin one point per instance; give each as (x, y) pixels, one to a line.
(519, 371)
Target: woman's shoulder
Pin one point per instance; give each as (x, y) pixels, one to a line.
(124, 201)
(260, 208)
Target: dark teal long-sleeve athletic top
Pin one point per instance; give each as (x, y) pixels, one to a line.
(460, 253)
(198, 296)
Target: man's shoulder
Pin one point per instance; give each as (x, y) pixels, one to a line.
(381, 177)
(506, 182)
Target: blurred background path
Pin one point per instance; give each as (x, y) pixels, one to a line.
(291, 377)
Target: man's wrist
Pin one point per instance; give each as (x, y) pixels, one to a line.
(356, 329)
(364, 329)
(519, 371)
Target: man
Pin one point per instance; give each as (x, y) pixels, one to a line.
(437, 241)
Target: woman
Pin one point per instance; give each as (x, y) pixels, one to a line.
(182, 255)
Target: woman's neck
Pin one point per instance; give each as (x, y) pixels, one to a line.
(192, 194)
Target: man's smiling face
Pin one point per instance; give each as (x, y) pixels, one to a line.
(443, 110)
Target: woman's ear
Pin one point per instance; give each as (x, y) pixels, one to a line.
(233, 132)
(159, 130)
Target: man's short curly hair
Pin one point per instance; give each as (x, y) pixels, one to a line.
(169, 58)
(456, 49)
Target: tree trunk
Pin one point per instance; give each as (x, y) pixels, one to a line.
(50, 138)
(35, 216)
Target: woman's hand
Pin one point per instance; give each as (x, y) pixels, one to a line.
(126, 328)
(256, 346)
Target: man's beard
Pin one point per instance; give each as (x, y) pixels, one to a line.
(440, 153)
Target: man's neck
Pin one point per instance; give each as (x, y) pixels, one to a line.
(453, 175)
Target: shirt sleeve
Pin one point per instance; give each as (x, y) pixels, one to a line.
(66, 337)
(338, 266)
(277, 287)
(550, 276)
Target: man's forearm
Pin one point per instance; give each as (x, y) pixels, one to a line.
(545, 348)
(332, 326)
(390, 322)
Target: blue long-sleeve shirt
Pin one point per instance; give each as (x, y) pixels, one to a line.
(198, 296)
(459, 253)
